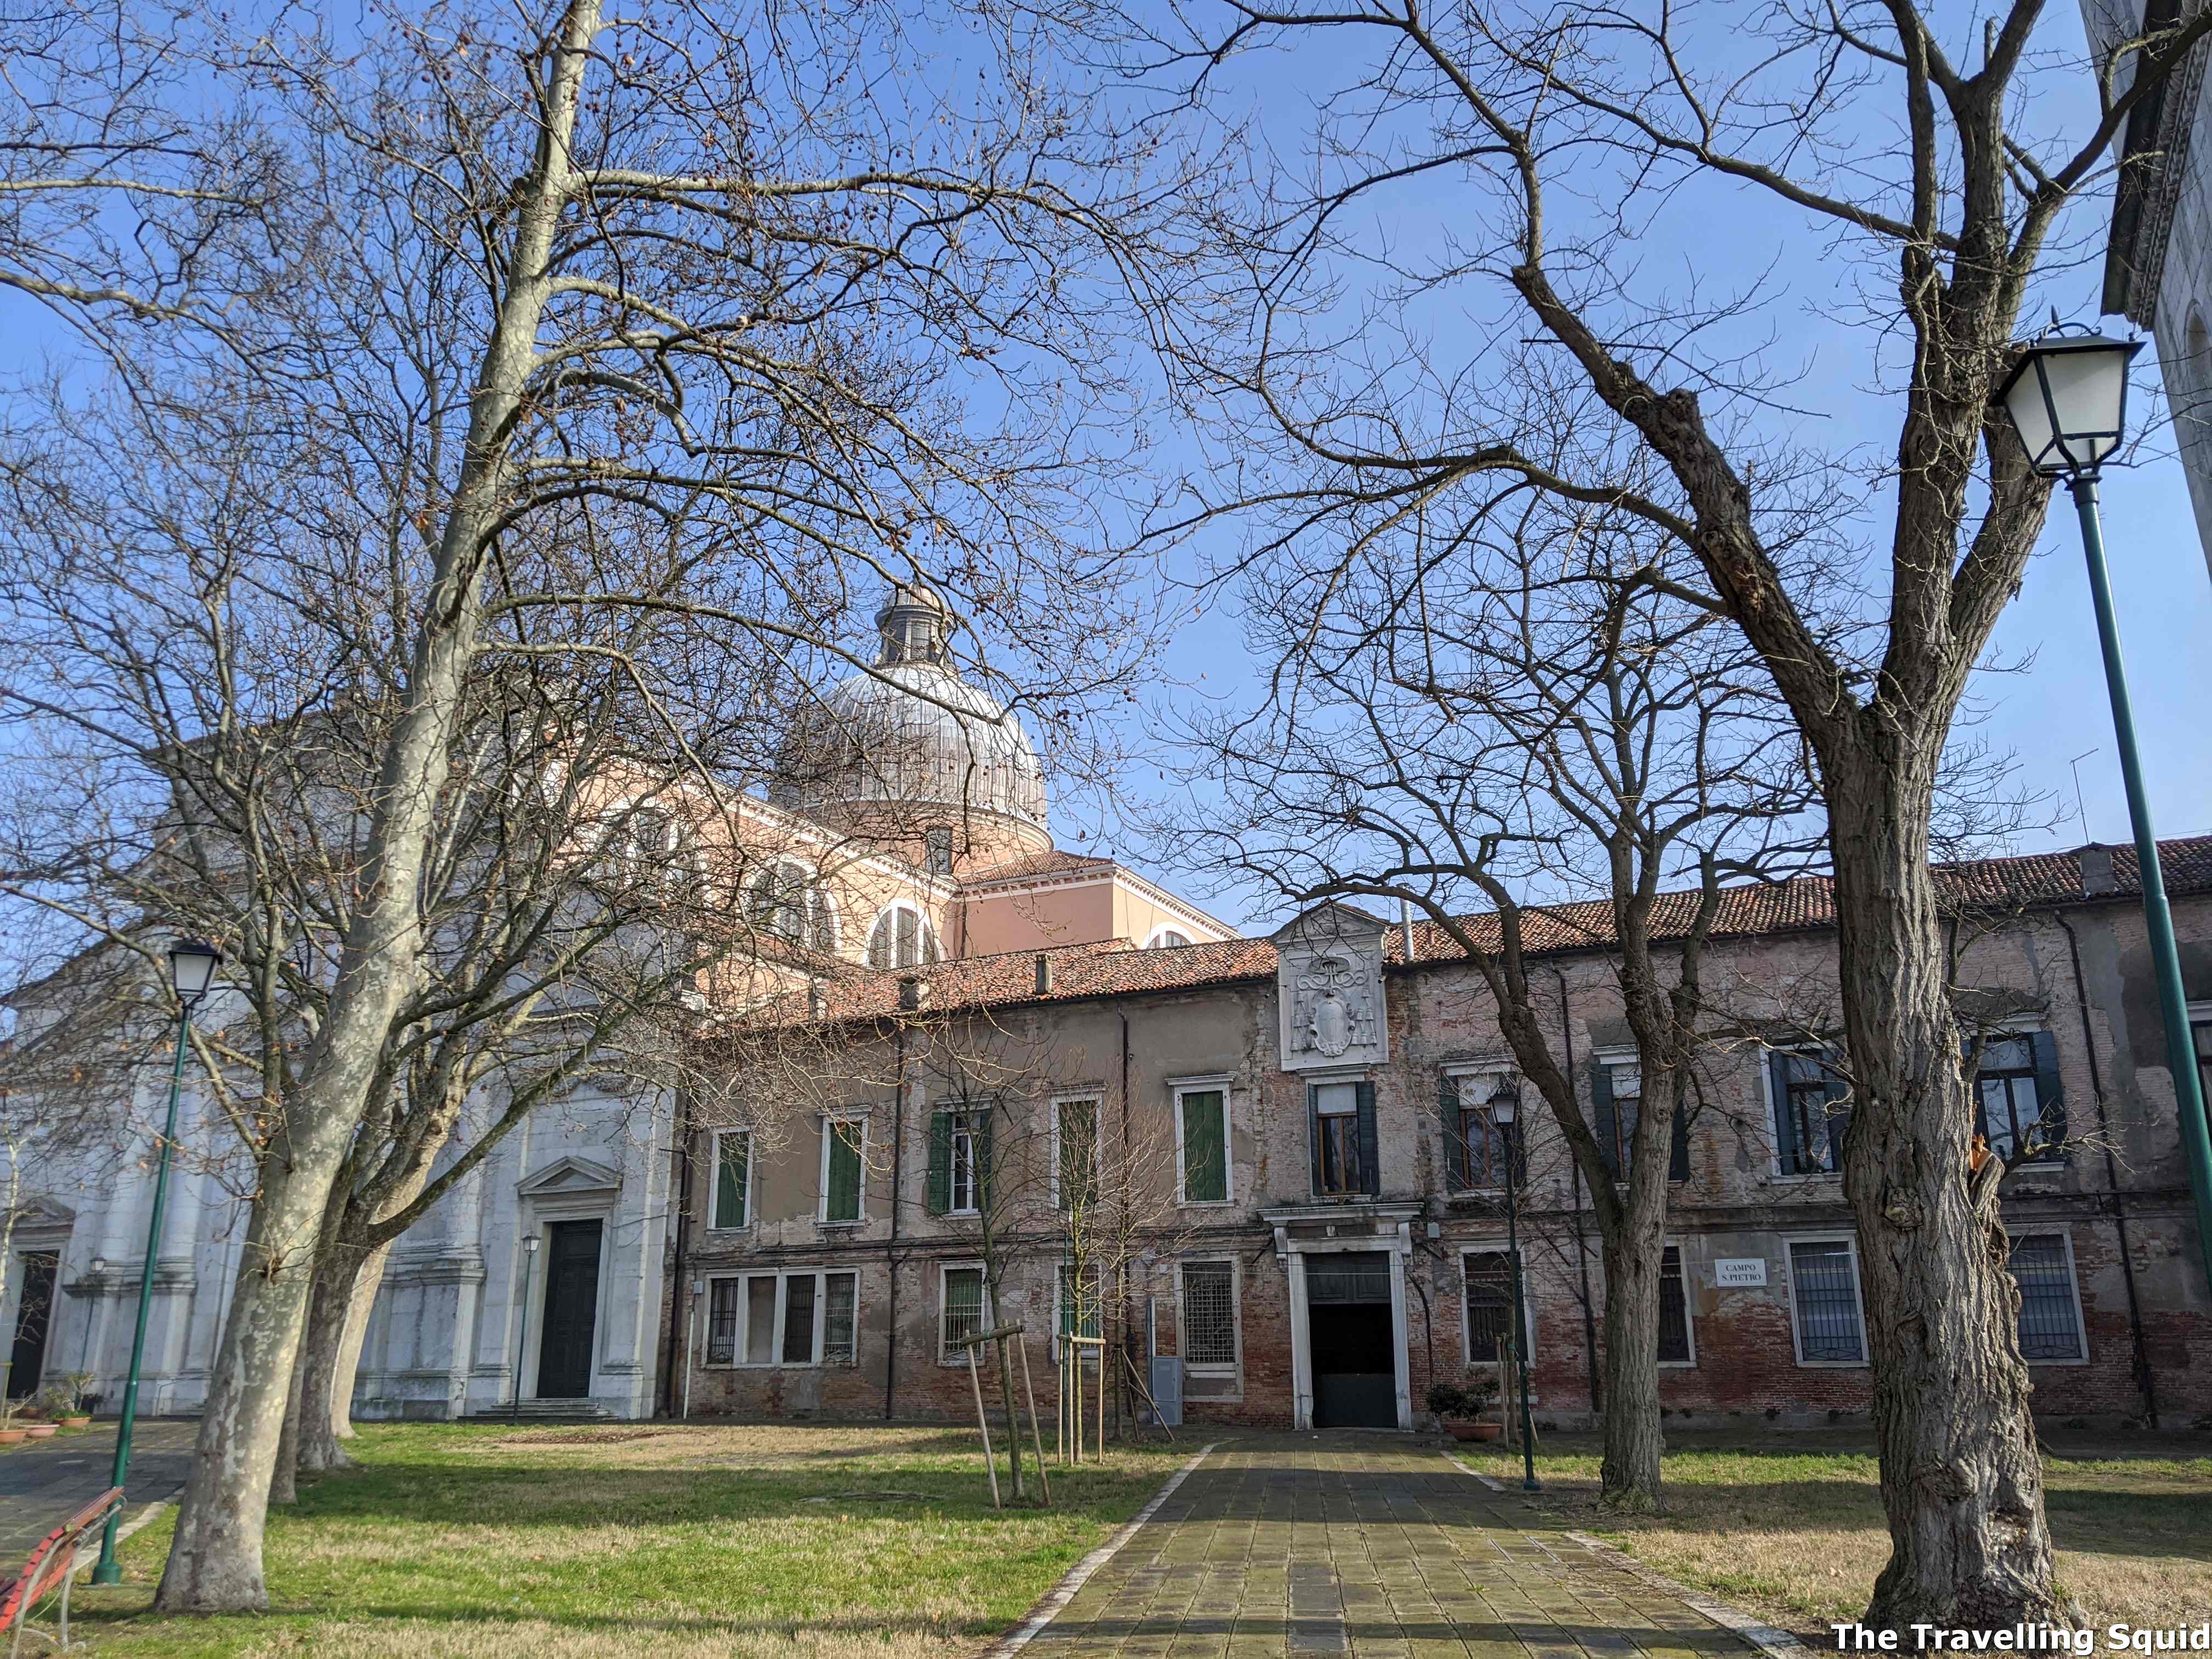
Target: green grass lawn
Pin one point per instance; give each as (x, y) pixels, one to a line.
(672, 1541)
(1789, 1527)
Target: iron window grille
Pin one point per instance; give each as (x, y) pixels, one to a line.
(771, 1319)
(963, 1308)
(2050, 1318)
(1674, 1310)
(1209, 1313)
(1825, 1286)
(1489, 1275)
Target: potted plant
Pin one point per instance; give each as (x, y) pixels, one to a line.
(64, 1402)
(1461, 1408)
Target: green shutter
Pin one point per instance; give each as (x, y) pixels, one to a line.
(2049, 1094)
(1456, 1177)
(732, 1174)
(1601, 1118)
(844, 1171)
(939, 1198)
(1205, 1150)
(1370, 1150)
(1786, 1150)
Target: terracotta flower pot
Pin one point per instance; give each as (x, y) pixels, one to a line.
(1459, 1431)
(14, 1437)
(41, 1430)
(76, 1421)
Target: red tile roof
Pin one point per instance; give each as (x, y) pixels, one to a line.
(1055, 863)
(1115, 968)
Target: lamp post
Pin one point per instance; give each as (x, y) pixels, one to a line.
(2067, 397)
(1505, 1108)
(522, 1340)
(193, 963)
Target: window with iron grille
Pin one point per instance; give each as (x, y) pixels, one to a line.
(1674, 1310)
(1209, 1313)
(723, 1304)
(1489, 1303)
(2012, 1107)
(961, 1308)
(1824, 1283)
(2050, 1320)
(770, 1319)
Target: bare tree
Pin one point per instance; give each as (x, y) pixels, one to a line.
(1548, 143)
(711, 269)
(1488, 715)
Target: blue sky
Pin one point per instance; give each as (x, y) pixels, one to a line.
(2047, 715)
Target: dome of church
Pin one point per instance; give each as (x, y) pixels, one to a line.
(913, 732)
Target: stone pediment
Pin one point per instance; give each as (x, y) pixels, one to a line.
(38, 1214)
(570, 1177)
(1328, 990)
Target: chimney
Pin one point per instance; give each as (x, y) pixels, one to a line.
(909, 993)
(2097, 878)
(1043, 975)
(1405, 922)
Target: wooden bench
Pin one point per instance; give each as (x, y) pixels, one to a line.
(53, 1566)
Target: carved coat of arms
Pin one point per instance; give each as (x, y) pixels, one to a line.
(1333, 1010)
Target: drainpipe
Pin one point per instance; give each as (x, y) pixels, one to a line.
(1575, 1192)
(890, 1244)
(1121, 1296)
(2112, 1178)
(678, 1314)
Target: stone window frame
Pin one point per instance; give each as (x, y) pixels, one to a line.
(1775, 1175)
(1851, 1240)
(1235, 1368)
(1211, 1083)
(821, 1276)
(1491, 1072)
(2065, 1234)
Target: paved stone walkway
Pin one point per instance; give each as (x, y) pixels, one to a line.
(44, 1482)
(1343, 1544)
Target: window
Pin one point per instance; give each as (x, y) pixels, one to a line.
(805, 1318)
(1824, 1288)
(2019, 1089)
(1675, 1347)
(901, 938)
(1488, 1275)
(1342, 1117)
(959, 1160)
(961, 1305)
(1202, 1144)
(1209, 1314)
(1617, 1102)
(1075, 1154)
(1476, 1145)
(786, 903)
(2050, 1310)
(1166, 939)
(844, 1146)
(937, 849)
(733, 1171)
(1810, 1113)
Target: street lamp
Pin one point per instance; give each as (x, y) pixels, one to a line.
(193, 963)
(2068, 400)
(1504, 1106)
(522, 1342)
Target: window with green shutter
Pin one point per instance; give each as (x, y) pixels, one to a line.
(1205, 1129)
(842, 1142)
(733, 1159)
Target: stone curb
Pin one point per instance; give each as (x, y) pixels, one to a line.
(1775, 1643)
(1077, 1576)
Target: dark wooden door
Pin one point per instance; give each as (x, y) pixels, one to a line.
(35, 1318)
(572, 1303)
(1348, 1339)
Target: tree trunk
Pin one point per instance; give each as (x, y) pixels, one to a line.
(337, 1324)
(215, 1561)
(1961, 1480)
(1629, 1475)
